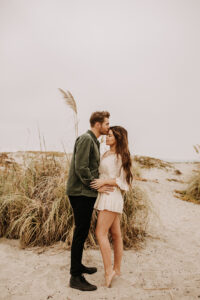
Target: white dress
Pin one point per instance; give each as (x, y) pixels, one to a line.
(111, 167)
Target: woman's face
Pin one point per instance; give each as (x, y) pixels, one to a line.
(110, 138)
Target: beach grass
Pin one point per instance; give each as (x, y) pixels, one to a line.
(151, 162)
(35, 209)
(192, 192)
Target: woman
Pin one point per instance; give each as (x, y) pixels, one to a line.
(115, 170)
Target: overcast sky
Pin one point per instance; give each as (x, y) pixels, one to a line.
(138, 59)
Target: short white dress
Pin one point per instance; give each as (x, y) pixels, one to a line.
(111, 167)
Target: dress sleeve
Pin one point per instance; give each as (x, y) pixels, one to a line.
(121, 180)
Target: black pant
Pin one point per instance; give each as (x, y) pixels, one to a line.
(82, 209)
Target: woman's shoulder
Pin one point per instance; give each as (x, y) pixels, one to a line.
(106, 154)
(115, 157)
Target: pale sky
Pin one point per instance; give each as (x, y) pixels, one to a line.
(138, 59)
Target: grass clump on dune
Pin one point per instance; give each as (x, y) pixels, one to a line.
(135, 218)
(35, 209)
(151, 162)
(33, 206)
(192, 193)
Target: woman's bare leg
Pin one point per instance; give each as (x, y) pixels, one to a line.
(118, 244)
(104, 222)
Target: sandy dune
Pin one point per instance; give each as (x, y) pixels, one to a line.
(168, 268)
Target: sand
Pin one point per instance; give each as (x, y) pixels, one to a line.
(167, 268)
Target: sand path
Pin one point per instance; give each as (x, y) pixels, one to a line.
(168, 268)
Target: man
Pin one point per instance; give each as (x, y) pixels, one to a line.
(84, 169)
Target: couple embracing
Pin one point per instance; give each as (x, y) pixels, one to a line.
(98, 182)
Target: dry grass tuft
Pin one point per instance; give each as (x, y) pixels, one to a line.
(151, 162)
(175, 180)
(192, 193)
(135, 218)
(35, 209)
(177, 172)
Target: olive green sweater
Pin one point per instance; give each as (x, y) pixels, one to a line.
(84, 166)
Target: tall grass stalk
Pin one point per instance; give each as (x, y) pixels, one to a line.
(70, 101)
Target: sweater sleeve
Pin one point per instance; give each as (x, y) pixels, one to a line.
(121, 180)
(82, 155)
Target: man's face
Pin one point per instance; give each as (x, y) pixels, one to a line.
(104, 127)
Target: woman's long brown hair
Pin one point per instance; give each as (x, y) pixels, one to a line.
(121, 136)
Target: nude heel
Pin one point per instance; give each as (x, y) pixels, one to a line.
(109, 278)
(117, 272)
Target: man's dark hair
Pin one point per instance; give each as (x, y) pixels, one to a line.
(98, 116)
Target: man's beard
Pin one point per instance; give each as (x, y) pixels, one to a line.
(103, 132)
